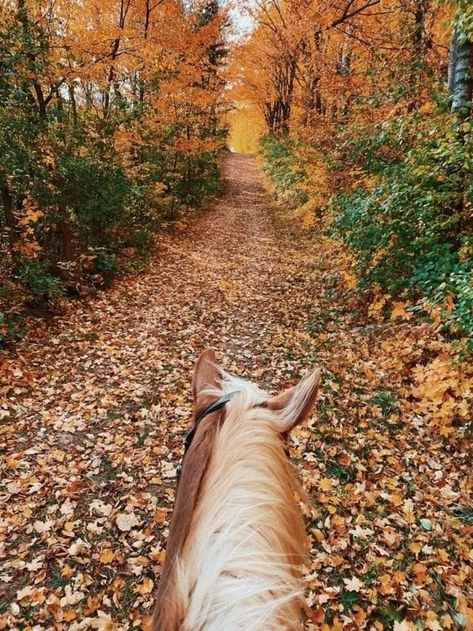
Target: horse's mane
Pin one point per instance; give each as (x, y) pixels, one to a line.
(239, 565)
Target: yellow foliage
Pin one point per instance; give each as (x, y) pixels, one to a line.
(349, 279)
(377, 305)
(444, 390)
(107, 556)
(31, 213)
(246, 128)
(399, 311)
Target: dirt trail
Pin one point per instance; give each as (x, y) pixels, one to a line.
(97, 405)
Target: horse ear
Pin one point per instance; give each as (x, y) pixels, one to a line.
(207, 372)
(295, 405)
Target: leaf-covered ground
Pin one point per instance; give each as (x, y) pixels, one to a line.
(96, 404)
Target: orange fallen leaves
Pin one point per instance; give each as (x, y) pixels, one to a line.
(145, 587)
(444, 391)
(325, 484)
(399, 310)
(107, 556)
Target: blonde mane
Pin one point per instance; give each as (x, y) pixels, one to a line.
(239, 566)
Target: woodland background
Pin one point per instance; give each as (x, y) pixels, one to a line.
(116, 119)
(113, 116)
(367, 121)
(109, 126)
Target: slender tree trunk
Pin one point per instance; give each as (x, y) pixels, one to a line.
(284, 88)
(460, 85)
(460, 74)
(67, 247)
(418, 54)
(40, 100)
(313, 105)
(72, 98)
(10, 219)
(312, 96)
(11, 223)
(112, 80)
(342, 105)
(145, 36)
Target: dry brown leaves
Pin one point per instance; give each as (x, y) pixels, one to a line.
(95, 408)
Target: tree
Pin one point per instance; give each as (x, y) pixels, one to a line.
(110, 121)
(460, 68)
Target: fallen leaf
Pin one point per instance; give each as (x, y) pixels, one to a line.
(127, 521)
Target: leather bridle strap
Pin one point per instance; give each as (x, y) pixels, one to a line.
(213, 407)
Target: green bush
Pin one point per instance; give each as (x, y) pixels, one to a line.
(200, 179)
(43, 286)
(441, 273)
(284, 168)
(407, 230)
(96, 195)
(104, 267)
(405, 217)
(86, 181)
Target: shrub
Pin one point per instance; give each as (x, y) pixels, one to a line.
(104, 267)
(96, 196)
(407, 227)
(43, 286)
(284, 168)
(405, 190)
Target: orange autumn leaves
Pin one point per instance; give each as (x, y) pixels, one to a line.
(443, 390)
(308, 64)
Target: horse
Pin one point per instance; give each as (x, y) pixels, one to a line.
(237, 540)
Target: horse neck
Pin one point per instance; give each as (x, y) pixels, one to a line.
(239, 567)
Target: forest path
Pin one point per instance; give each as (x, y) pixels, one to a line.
(96, 408)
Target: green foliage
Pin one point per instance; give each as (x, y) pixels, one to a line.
(284, 168)
(104, 266)
(443, 273)
(405, 212)
(407, 228)
(386, 400)
(464, 18)
(35, 277)
(96, 195)
(5, 328)
(76, 202)
(199, 179)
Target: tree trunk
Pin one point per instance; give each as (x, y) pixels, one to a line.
(10, 219)
(460, 85)
(418, 54)
(72, 98)
(460, 74)
(112, 81)
(12, 228)
(284, 85)
(67, 246)
(312, 98)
